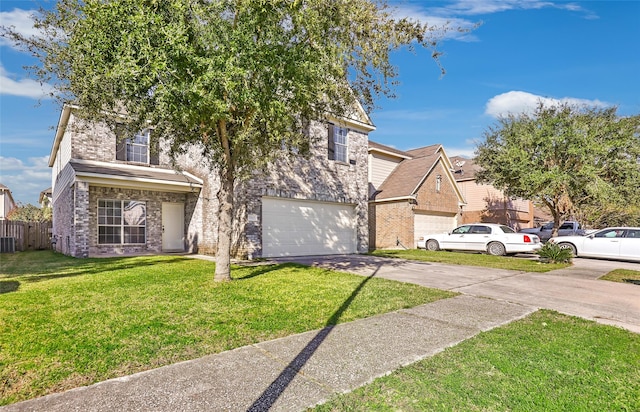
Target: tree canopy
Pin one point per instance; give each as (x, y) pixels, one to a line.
(30, 213)
(577, 161)
(236, 78)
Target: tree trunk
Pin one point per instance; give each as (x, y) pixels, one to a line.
(225, 227)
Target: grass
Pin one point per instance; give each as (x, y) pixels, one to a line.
(472, 259)
(623, 275)
(68, 322)
(545, 362)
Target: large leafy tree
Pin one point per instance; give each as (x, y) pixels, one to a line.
(30, 213)
(238, 79)
(577, 161)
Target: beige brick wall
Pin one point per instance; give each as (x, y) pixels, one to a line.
(430, 200)
(390, 223)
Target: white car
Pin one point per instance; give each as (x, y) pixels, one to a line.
(492, 238)
(611, 243)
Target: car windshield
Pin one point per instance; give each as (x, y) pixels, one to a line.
(507, 229)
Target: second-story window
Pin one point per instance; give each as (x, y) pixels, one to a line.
(338, 143)
(138, 147)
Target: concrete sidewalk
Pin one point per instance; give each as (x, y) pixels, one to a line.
(295, 372)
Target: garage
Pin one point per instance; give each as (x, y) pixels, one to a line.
(292, 227)
(429, 223)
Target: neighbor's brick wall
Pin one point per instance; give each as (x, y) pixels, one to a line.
(429, 200)
(63, 220)
(391, 222)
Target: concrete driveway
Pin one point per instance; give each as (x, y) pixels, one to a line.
(573, 291)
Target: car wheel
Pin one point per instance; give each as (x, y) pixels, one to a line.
(432, 245)
(570, 247)
(496, 249)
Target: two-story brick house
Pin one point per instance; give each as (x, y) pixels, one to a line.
(411, 192)
(115, 196)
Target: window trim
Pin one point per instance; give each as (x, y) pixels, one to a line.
(130, 142)
(122, 225)
(335, 147)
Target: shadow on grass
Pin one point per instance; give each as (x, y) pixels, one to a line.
(264, 269)
(41, 266)
(7, 286)
(280, 384)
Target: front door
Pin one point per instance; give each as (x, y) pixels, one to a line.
(173, 227)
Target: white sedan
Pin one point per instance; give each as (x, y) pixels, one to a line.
(611, 243)
(492, 238)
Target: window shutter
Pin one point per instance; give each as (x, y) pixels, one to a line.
(154, 150)
(121, 143)
(331, 144)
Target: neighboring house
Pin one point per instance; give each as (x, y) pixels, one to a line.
(411, 193)
(45, 198)
(487, 204)
(7, 204)
(114, 196)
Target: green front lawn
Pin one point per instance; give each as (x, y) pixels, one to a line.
(623, 275)
(68, 322)
(545, 362)
(472, 259)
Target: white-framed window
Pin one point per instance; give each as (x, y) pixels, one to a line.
(438, 183)
(338, 143)
(122, 222)
(137, 147)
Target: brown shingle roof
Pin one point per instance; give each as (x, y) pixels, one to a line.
(378, 146)
(404, 180)
(468, 169)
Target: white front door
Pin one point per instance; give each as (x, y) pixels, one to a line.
(173, 227)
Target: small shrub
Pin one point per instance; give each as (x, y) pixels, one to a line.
(552, 253)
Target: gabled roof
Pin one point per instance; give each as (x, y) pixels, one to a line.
(7, 191)
(407, 177)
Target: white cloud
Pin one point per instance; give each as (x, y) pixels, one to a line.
(26, 179)
(477, 7)
(19, 20)
(449, 15)
(445, 26)
(467, 151)
(23, 87)
(516, 102)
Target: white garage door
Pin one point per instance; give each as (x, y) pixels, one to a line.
(299, 228)
(425, 224)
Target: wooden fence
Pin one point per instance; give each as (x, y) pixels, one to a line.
(27, 235)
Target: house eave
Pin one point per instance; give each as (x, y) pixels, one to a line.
(388, 153)
(393, 199)
(353, 123)
(97, 179)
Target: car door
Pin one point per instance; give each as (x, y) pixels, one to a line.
(630, 245)
(478, 237)
(605, 243)
(456, 239)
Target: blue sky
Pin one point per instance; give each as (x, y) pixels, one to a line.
(524, 50)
